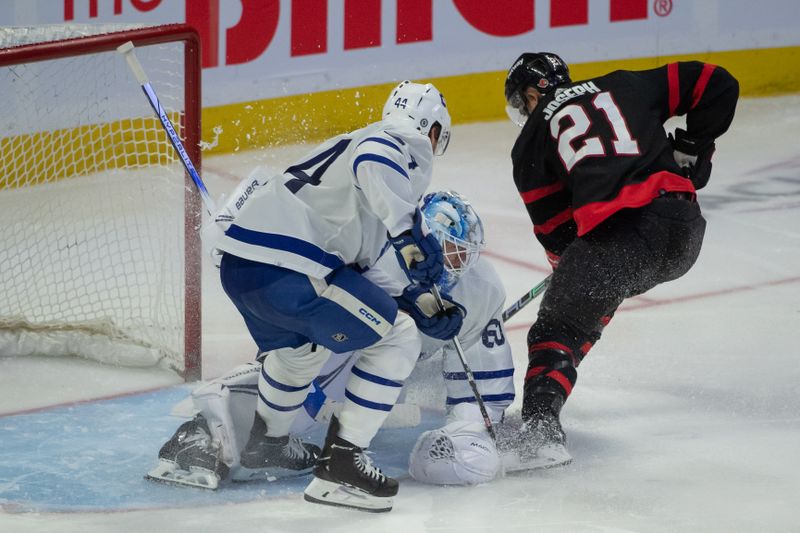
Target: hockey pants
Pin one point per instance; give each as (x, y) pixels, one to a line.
(627, 255)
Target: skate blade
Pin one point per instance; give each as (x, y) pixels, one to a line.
(549, 456)
(338, 495)
(169, 473)
(245, 475)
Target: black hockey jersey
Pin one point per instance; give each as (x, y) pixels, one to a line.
(594, 147)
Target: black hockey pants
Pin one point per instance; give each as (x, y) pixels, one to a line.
(629, 254)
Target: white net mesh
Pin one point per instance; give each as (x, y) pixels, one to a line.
(19, 35)
(91, 208)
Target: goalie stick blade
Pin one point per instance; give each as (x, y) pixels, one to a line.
(169, 473)
(548, 456)
(338, 495)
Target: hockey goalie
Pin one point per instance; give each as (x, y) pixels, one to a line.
(215, 444)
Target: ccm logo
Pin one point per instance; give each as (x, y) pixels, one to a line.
(369, 316)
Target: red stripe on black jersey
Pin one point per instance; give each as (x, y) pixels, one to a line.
(551, 224)
(702, 82)
(633, 195)
(674, 88)
(540, 192)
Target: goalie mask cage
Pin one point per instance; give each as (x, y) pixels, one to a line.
(99, 223)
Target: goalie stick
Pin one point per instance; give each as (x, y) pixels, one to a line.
(468, 372)
(508, 313)
(127, 50)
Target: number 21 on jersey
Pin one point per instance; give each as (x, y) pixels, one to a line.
(622, 144)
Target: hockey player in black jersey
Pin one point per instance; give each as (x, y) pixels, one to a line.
(612, 199)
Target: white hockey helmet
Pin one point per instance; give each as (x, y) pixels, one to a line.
(424, 106)
(454, 222)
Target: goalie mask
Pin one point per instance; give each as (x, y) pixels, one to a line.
(424, 107)
(544, 71)
(454, 222)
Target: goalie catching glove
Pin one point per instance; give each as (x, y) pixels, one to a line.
(460, 453)
(421, 305)
(419, 253)
(693, 156)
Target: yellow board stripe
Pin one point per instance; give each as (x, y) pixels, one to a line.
(49, 156)
(470, 98)
(309, 117)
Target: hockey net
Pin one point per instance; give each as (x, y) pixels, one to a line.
(98, 224)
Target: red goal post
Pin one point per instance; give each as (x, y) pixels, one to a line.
(95, 132)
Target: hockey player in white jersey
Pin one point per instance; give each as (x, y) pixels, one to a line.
(461, 452)
(293, 253)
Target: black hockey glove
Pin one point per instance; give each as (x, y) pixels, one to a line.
(420, 304)
(693, 156)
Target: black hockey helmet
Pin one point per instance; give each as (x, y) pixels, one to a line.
(544, 71)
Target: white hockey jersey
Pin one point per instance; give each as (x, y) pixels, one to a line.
(334, 206)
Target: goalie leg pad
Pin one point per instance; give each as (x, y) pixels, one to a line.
(460, 453)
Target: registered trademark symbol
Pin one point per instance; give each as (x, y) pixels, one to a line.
(662, 8)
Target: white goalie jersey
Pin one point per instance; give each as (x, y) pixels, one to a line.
(482, 336)
(228, 403)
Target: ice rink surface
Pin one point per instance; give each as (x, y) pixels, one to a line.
(685, 417)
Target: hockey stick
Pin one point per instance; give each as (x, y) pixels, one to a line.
(133, 62)
(468, 371)
(531, 295)
(508, 313)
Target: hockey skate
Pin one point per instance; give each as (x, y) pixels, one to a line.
(190, 458)
(271, 458)
(345, 477)
(537, 443)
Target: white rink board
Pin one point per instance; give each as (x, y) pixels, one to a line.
(462, 41)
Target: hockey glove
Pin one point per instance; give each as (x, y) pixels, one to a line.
(434, 322)
(693, 156)
(419, 253)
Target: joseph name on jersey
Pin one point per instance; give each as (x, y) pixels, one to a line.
(593, 148)
(315, 232)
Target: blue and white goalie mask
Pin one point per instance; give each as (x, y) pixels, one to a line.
(453, 220)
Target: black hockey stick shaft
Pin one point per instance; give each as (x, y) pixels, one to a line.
(468, 372)
(529, 296)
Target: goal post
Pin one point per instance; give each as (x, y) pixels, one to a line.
(99, 222)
